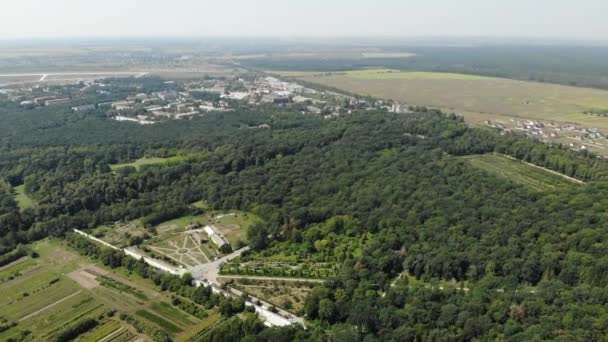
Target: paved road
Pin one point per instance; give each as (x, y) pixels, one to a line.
(77, 73)
(210, 271)
(50, 306)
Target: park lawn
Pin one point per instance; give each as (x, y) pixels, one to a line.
(23, 200)
(519, 172)
(139, 163)
(234, 224)
(178, 225)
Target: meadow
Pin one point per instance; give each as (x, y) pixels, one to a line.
(139, 163)
(477, 98)
(521, 173)
(23, 200)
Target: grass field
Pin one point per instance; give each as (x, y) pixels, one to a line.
(476, 98)
(520, 172)
(23, 200)
(149, 161)
(234, 225)
(61, 287)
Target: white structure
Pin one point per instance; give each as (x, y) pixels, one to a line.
(214, 235)
(153, 262)
(91, 237)
(270, 318)
(237, 95)
(141, 122)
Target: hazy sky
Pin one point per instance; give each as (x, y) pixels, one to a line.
(582, 19)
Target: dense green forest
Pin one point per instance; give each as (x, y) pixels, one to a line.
(534, 262)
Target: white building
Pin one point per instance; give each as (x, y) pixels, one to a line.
(214, 235)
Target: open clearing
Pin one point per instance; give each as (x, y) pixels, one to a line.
(62, 287)
(476, 98)
(23, 200)
(521, 173)
(138, 164)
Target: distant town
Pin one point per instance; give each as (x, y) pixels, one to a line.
(194, 98)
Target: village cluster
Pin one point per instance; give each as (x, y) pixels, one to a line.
(576, 137)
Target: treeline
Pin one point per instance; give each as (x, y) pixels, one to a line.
(70, 333)
(15, 255)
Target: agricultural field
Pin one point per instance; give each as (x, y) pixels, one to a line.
(139, 163)
(42, 296)
(476, 98)
(23, 200)
(522, 173)
(203, 326)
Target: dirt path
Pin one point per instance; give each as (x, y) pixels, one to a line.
(112, 334)
(198, 246)
(18, 261)
(50, 306)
